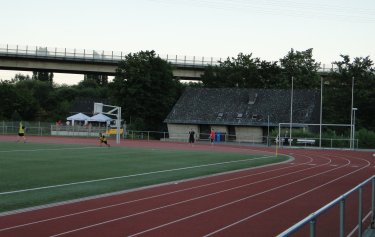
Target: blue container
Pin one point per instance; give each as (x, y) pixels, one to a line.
(217, 137)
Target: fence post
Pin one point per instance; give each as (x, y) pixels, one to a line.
(342, 218)
(360, 212)
(373, 203)
(148, 135)
(312, 228)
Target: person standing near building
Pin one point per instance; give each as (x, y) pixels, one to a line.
(21, 133)
(212, 136)
(191, 137)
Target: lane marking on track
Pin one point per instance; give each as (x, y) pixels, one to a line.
(281, 203)
(356, 228)
(236, 201)
(197, 198)
(133, 175)
(159, 195)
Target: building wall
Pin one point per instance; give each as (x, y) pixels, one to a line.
(180, 132)
(249, 134)
(221, 129)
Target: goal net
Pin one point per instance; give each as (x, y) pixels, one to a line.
(315, 135)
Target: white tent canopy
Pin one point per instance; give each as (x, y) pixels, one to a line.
(78, 117)
(100, 118)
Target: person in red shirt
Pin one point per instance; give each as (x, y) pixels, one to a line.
(212, 136)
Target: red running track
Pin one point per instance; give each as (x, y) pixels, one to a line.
(253, 202)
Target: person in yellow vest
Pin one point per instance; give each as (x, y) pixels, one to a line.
(103, 139)
(21, 133)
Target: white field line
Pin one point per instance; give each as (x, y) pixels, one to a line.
(53, 149)
(197, 198)
(168, 193)
(133, 175)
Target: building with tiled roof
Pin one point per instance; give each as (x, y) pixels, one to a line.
(240, 114)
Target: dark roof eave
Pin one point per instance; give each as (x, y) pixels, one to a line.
(256, 124)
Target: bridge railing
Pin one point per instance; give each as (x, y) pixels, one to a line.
(110, 56)
(94, 55)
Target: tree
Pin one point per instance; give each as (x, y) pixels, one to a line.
(302, 67)
(145, 89)
(337, 101)
(20, 77)
(244, 72)
(43, 76)
(17, 100)
(99, 80)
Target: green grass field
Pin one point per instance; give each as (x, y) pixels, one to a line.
(79, 171)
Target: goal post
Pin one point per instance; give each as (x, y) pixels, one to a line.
(311, 135)
(112, 110)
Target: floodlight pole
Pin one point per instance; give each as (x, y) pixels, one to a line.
(321, 111)
(351, 116)
(354, 109)
(291, 115)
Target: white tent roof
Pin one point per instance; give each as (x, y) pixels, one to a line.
(78, 117)
(100, 118)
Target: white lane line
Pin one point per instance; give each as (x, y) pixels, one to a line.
(130, 176)
(279, 204)
(356, 227)
(147, 198)
(182, 202)
(234, 202)
(255, 214)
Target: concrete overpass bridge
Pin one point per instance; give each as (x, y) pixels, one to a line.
(26, 58)
(62, 60)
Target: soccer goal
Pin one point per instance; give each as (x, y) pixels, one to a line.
(112, 110)
(315, 135)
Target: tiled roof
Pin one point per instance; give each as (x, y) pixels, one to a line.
(250, 107)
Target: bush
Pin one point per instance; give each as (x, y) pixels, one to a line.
(366, 138)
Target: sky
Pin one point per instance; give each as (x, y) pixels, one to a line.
(268, 29)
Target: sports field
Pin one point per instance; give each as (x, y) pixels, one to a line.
(33, 174)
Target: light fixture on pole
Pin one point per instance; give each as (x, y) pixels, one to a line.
(354, 109)
(351, 115)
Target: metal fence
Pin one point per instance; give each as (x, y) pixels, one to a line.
(48, 129)
(340, 201)
(32, 128)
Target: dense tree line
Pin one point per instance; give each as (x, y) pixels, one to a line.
(146, 90)
(247, 72)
